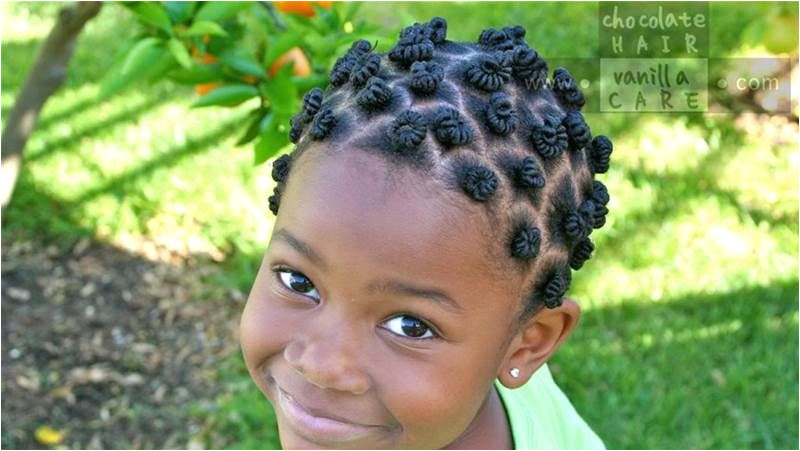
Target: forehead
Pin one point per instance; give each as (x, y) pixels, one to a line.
(364, 214)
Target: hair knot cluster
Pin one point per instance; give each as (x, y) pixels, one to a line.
(322, 124)
(525, 242)
(376, 94)
(577, 129)
(479, 182)
(504, 39)
(527, 65)
(364, 67)
(426, 76)
(280, 168)
(550, 137)
(340, 73)
(600, 154)
(407, 131)
(555, 289)
(581, 253)
(500, 115)
(600, 197)
(567, 90)
(417, 41)
(449, 127)
(529, 174)
(489, 72)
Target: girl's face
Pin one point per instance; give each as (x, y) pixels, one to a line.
(376, 304)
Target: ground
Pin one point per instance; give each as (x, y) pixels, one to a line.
(108, 346)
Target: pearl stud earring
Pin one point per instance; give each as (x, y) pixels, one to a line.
(514, 372)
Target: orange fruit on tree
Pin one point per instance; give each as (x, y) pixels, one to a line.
(302, 8)
(204, 88)
(302, 68)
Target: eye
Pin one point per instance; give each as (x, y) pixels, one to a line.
(408, 326)
(297, 282)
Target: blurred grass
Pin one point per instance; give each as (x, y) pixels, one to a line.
(689, 337)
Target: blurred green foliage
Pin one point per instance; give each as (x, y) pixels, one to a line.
(689, 337)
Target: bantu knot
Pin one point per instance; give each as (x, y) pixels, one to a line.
(479, 182)
(529, 174)
(550, 137)
(489, 72)
(312, 100)
(274, 200)
(600, 198)
(578, 224)
(525, 242)
(416, 42)
(554, 291)
(567, 90)
(581, 253)
(280, 167)
(500, 114)
(344, 65)
(296, 125)
(504, 39)
(600, 154)
(528, 66)
(341, 71)
(365, 67)
(322, 124)
(450, 128)
(375, 94)
(577, 129)
(407, 130)
(426, 76)
(438, 30)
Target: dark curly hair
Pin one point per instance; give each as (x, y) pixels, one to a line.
(510, 139)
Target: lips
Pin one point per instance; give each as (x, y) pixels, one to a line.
(320, 413)
(321, 429)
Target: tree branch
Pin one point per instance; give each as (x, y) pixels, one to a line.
(45, 77)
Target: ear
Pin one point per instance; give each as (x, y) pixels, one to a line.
(537, 340)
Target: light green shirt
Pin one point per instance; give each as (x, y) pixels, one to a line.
(541, 416)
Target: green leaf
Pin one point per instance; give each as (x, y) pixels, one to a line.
(242, 62)
(151, 13)
(199, 73)
(303, 84)
(257, 123)
(180, 12)
(271, 140)
(280, 91)
(203, 27)
(280, 46)
(139, 51)
(219, 11)
(145, 59)
(227, 95)
(180, 53)
(161, 66)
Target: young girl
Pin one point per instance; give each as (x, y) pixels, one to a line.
(427, 223)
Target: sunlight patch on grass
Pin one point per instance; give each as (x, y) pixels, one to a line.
(662, 260)
(659, 145)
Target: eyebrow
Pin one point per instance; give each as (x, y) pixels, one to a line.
(406, 289)
(398, 287)
(300, 246)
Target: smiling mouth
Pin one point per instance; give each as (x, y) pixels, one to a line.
(318, 428)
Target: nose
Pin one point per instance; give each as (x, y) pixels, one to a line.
(326, 354)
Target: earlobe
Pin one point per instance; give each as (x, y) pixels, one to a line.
(536, 342)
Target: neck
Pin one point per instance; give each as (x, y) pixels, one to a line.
(489, 430)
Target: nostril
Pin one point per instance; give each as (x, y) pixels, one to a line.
(327, 368)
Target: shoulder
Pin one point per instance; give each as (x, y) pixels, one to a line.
(541, 416)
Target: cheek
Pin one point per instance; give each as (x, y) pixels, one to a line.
(435, 401)
(263, 328)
